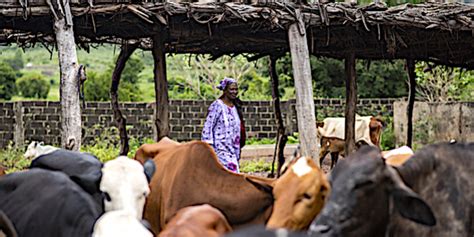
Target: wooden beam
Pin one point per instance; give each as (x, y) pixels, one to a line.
(161, 88)
(304, 90)
(281, 137)
(411, 99)
(71, 122)
(120, 120)
(351, 104)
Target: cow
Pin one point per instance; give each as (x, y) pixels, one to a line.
(398, 156)
(6, 226)
(120, 223)
(429, 195)
(42, 202)
(261, 231)
(124, 185)
(197, 221)
(190, 174)
(331, 134)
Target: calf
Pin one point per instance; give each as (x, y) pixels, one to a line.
(196, 221)
(433, 188)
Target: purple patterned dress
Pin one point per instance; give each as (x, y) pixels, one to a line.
(222, 131)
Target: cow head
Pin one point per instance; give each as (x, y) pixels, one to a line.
(36, 149)
(120, 223)
(124, 184)
(299, 195)
(364, 193)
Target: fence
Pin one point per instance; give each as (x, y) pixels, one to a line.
(24, 121)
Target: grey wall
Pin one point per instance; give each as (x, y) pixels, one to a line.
(433, 122)
(21, 122)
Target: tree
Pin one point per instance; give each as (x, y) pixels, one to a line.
(33, 85)
(442, 83)
(97, 86)
(17, 61)
(7, 82)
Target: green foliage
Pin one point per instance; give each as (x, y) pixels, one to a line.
(249, 166)
(293, 139)
(97, 86)
(16, 62)
(387, 140)
(259, 141)
(440, 83)
(7, 82)
(12, 158)
(33, 85)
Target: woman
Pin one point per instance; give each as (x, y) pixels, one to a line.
(224, 129)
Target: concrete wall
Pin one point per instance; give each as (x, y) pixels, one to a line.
(21, 122)
(433, 122)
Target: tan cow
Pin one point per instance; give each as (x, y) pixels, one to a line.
(331, 133)
(197, 221)
(189, 174)
(398, 156)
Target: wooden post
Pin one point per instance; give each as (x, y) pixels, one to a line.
(351, 104)
(411, 99)
(304, 90)
(120, 120)
(69, 85)
(281, 138)
(161, 88)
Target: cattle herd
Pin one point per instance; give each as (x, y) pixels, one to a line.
(172, 189)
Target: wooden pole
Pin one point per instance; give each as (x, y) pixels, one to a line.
(351, 104)
(69, 83)
(411, 99)
(120, 120)
(281, 138)
(304, 90)
(161, 88)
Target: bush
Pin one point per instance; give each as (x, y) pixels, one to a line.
(12, 159)
(33, 85)
(7, 82)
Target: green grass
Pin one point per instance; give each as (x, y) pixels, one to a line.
(247, 166)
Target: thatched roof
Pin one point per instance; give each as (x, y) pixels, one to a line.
(441, 33)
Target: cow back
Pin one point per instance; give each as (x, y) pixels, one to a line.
(190, 174)
(47, 203)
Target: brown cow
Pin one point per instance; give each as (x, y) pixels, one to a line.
(335, 146)
(189, 174)
(197, 221)
(398, 156)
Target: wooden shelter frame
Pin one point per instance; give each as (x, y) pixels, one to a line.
(439, 33)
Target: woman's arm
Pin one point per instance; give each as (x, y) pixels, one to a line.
(211, 120)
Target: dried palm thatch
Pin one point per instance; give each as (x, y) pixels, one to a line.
(442, 33)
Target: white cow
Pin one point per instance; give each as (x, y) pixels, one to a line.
(36, 149)
(124, 185)
(119, 223)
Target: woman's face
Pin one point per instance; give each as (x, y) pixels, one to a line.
(231, 91)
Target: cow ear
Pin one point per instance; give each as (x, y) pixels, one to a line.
(149, 169)
(412, 207)
(260, 185)
(408, 203)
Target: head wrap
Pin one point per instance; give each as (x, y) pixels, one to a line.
(225, 82)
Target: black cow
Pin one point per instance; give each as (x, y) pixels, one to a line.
(82, 168)
(47, 203)
(6, 226)
(260, 231)
(370, 198)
